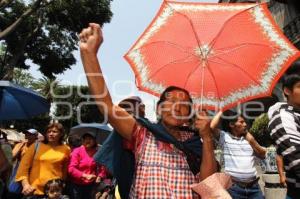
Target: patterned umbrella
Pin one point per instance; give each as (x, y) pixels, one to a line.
(223, 54)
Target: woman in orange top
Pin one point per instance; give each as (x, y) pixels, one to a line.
(44, 161)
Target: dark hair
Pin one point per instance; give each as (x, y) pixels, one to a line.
(230, 117)
(290, 80)
(87, 135)
(164, 95)
(74, 141)
(59, 127)
(54, 182)
(292, 76)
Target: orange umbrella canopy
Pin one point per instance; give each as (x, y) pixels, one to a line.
(223, 54)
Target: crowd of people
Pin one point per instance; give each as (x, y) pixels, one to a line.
(152, 160)
(49, 169)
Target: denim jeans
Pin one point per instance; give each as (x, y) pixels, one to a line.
(238, 192)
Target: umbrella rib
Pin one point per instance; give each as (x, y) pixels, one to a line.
(181, 48)
(174, 62)
(218, 93)
(236, 47)
(192, 26)
(212, 43)
(238, 68)
(214, 79)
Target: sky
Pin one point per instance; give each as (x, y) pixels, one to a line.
(130, 19)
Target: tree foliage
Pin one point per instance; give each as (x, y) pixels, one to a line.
(45, 32)
(46, 87)
(74, 104)
(23, 78)
(259, 130)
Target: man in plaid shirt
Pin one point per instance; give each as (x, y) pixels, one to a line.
(284, 128)
(161, 170)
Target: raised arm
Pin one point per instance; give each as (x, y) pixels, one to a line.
(90, 40)
(214, 124)
(258, 150)
(208, 163)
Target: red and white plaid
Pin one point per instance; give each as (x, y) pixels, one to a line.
(161, 169)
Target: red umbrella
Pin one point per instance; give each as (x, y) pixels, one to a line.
(223, 54)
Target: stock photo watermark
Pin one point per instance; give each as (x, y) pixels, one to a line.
(249, 108)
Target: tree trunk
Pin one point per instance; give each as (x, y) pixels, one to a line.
(26, 14)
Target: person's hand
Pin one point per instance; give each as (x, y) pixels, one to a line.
(90, 39)
(89, 177)
(100, 195)
(27, 190)
(202, 123)
(98, 179)
(282, 180)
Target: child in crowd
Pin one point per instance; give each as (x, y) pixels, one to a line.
(54, 189)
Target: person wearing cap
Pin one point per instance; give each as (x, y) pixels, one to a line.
(83, 171)
(19, 150)
(134, 106)
(44, 161)
(116, 152)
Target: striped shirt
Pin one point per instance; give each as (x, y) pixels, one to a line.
(238, 156)
(284, 128)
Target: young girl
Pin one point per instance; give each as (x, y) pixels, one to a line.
(54, 189)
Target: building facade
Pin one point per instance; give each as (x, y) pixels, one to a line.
(286, 13)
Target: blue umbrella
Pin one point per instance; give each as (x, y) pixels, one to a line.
(17, 102)
(102, 130)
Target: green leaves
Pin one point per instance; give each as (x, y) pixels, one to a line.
(48, 36)
(259, 130)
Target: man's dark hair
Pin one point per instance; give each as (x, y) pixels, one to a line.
(292, 76)
(230, 117)
(74, 141)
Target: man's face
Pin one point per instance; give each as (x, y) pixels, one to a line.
(294, 95)
(134, 108)
(30, 137)
(239, 127)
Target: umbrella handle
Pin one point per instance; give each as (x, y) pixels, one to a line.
(204, 64)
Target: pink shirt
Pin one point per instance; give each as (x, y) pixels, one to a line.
(81, 162)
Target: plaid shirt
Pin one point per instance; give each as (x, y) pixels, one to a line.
(161, 169)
